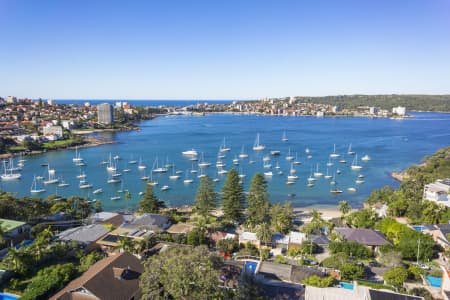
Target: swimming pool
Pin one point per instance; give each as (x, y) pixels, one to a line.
(250, 267)
(418, 227)
(434, 281)
(346, 285)
(5, 296)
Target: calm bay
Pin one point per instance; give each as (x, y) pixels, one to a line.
(391, 144)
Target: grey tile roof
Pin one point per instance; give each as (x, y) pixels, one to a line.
(84, 234)
(444, 228)
(367, 237)
(150, 220)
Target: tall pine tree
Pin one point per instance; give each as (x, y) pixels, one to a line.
(258, 205)
(233, 198)
(149, 202)
(206, 198)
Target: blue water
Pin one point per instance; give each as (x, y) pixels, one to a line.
(434, 281)
(4, 296)
(391, 144)
(147, 102)
(250, 267)
(346, 285)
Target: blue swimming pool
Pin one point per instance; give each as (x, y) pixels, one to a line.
(346, 285)
(418, 227)
(250, 267)
(434, 281)
(4, 296)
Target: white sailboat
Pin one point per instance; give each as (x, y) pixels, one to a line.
(311, 178)
(165, 188)
(132, 161)
(235, 161)
(334, 154)
(187, 179)
(292, 176)
(77, 157)
(317, 173)
(157, 169)
(97, 191)
(111, 167)
(84, 185)
(174, 176)
(289, 155)
(190, 153)
(327, 176)
(284, 137)
(296, 161)
(223, 147)
(140, 165)
(11, 175)
(257, 146)
(34, 187)
(202, 163)
(51, 176)
(349, 151)
(243, 154)
(365, 158)
(355, 165)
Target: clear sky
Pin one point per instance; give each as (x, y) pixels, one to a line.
(222, 49)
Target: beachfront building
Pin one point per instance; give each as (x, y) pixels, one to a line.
(438, 191)
(399, 110)
(105, 113)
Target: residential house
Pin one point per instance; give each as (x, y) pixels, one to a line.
(104, 217)
(153, 222)
(286, 272)
(357, 293)
(296, 239)
(438, 191)
(87, 235)
(368, 237)
(15, 231)
(180, 228)
(114, 278)
(249, 237)
(111, 240)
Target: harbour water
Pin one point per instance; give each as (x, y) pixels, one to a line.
(391, 144)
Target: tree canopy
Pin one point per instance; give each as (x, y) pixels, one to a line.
(206, 198)
(233, 198)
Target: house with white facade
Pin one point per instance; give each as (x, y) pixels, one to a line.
(438, 191)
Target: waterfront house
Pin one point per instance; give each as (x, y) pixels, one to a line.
(368, 237)
(438, 191)
(114, 277)
(87, 235)
(296, 239)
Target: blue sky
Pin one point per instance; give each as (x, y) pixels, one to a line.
(224, 49)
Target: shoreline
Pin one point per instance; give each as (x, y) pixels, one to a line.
(90, 142)
(302, 214)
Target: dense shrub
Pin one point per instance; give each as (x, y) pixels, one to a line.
(351, 249)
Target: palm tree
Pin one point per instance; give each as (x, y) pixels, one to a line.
(344, 208)
(127, 199)
(264, 233)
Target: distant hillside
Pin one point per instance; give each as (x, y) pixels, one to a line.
(411, 102)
